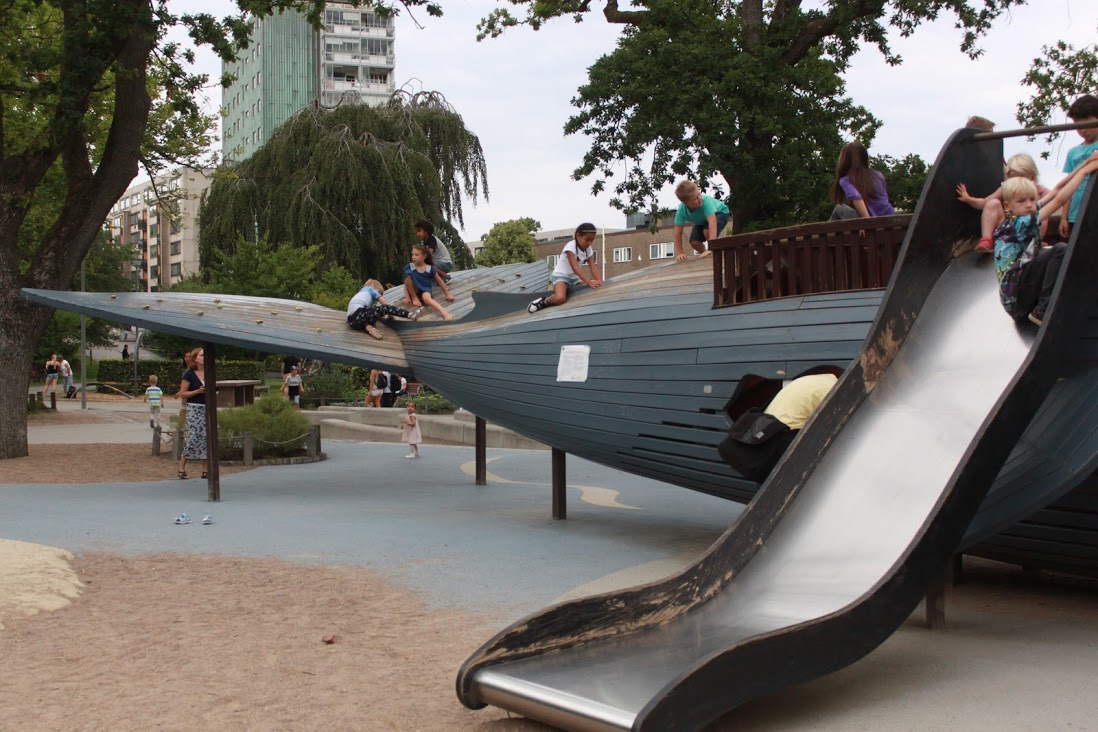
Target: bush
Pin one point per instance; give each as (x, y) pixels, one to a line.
(428, 402)
(334, 382)
(279, 430)
(169, 372)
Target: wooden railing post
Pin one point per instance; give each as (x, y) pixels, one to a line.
(249, 448)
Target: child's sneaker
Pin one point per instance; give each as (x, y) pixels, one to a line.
(986, 245)
(183, 519)
(207, 520)
(1036, 317)
(536, 305)
(411, 456)
(414, 314)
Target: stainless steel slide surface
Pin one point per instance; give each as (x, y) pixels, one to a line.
(841, 542)
(852, 522)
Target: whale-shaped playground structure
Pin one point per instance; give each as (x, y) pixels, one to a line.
(951, 428)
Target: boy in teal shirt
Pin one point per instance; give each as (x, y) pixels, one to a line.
(1083, 109)
(153, 396)
(706, 215)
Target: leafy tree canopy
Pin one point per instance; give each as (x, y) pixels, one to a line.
(748, 91)
(351, 181)
(1058, 76)
(509, 242)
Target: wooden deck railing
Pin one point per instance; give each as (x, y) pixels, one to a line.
(830, 256)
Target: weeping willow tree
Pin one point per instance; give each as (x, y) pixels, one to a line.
(351, 181)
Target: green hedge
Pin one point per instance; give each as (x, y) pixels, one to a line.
(272, 420)
(428, 402)
(169, 372)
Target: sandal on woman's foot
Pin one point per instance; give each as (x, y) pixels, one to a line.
(373, 332)
(182, 474)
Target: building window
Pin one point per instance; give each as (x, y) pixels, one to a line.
(661, 251)
(623, 254)
(551, 260)
(174, 248)
(177, 270)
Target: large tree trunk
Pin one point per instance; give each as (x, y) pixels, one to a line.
(21, 324)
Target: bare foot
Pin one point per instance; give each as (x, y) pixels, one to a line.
(706, 253)
(447, 316)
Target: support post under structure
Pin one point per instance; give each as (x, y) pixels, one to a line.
(481, 451)
(213, 473)
(560, 484)
(936, 598)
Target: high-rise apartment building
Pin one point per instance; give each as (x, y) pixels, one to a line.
(350, 60)
(161, 221)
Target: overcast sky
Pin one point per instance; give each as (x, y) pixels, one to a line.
(514, 93)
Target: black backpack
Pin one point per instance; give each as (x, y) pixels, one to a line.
(382, 381)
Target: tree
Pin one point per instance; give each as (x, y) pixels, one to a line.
(93, 90)
(509, 242)
(904, 179)
(351, 181)
(750, 91)
(1058, 76)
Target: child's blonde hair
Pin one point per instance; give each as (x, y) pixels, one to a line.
(1018, 187)
(375, 284)
(686, 189)
(1022, 165)
(152, 378)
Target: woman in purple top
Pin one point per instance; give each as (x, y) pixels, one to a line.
(858, 190)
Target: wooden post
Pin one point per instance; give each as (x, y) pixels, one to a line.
(249, 448)
(156, 441)
(560, 483)
(936, 598)
(177, 445)
(31, 402)
(53, 400)
(312, 442)
(481, 451)
(213, 473)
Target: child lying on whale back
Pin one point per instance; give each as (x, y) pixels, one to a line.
(368, 306)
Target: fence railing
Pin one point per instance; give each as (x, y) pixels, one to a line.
(830, 256)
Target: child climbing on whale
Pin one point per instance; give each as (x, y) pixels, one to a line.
(368, 306)
(569, 269)
(419, 276)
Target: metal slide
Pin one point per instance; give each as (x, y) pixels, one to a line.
(840, 544)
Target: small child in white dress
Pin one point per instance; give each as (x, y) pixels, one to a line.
(409, 432)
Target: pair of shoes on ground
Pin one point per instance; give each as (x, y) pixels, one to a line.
(183, 475)
(1036, 317)
(536, 305)
(185, 519)
(411, 456)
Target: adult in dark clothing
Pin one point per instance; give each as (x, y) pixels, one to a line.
(288, 364)
(192, 389)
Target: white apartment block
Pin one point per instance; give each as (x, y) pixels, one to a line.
(161, 222)
(289, 64)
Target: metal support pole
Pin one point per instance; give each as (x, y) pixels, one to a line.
(213, 472)
(481, 451)
(560, 483)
